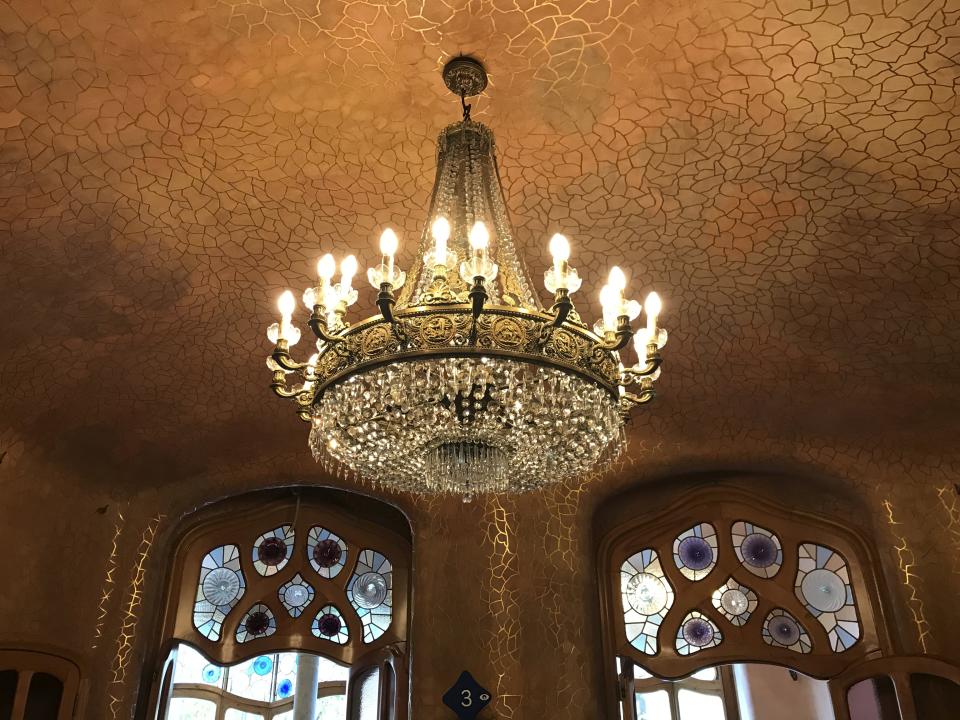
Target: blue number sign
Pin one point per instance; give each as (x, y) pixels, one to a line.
(466, 697)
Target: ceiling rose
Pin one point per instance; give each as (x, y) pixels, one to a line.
(464, 383)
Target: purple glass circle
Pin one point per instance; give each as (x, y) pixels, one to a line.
(326, 553)
(698, 632)
(257, 623)
(784, 630)
(759, 550)
(328, 625)
(272, 551)
(695, 553)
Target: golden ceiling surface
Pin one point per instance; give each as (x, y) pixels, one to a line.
(785, 174)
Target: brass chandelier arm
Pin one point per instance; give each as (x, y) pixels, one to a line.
(317, 323)
(634, 375)
(562, 305)
(385, 303)
(281, 356)
(640, 398)
(621, 336)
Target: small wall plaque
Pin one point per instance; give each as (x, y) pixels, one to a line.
(466, 697)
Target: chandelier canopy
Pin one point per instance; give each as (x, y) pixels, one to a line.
(464, 383)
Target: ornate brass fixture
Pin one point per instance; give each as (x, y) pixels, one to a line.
(464, 383)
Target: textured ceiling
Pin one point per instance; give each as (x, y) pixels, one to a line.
(785, 174)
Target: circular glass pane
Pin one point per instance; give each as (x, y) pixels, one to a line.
(759, 550)
(221, 586)
(646, 594)
(784, 630)
(734, 601)
(329, 625)
(272, 551)
(824, 590)
(296, 595)
(698, 632)
(370, 590)
(257, 623)
(326, 553)
(695, 553)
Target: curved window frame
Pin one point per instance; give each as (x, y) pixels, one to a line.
(722, 507)
(241, 521)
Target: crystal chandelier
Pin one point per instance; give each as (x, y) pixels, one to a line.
(463, 383)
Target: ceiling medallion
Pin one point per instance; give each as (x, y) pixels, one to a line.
(464, 383)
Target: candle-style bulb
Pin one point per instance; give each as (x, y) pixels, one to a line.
(440, 230)
(617, 279)
(287, 304)
(348, 268)
(559, 248)
(479, 236)
(326, 267)
(652, 306)
(388, 242)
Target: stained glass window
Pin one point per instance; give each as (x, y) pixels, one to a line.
(257, 623)
(823, 586)
(326, 551)
(370, 591)
(695, 551)
(758, 549)
(273, 550)
(781, 629)
(330, 625)
(735, 602)
(647, 597)
(253, 679)
(697, 632)
(219, 589)
(295, 595)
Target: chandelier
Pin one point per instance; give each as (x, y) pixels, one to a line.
(463, 382)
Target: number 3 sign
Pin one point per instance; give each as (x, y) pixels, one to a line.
(466, 697)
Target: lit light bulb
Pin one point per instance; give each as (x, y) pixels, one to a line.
(610, 304)
(388, 246)
(388, 242)
(287, 304)
(479, 237)
(326, 267)
(559, 248)
(653, 306)
(617, 279)
(441, 233)
(348, 268)
(285, 331)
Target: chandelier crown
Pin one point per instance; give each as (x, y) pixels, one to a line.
(464, 383)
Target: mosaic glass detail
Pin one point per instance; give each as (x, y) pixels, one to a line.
(781, 629)
(326, 551)
(370, 591)
(697, 632)
(758, 549)
(219, 589)
(295, 595)
(330, 625)
(647, 597)
(259, 622)
(695, 551)
(734, 601)
(273, 550)
(823, 586)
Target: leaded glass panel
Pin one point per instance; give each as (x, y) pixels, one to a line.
(647, 597)
(370, 591)
(219, 589)
(823, 586)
